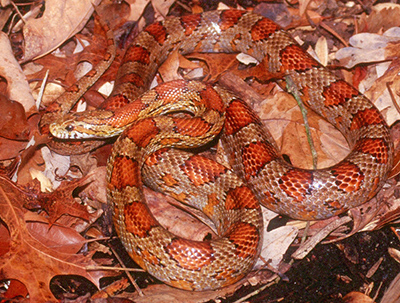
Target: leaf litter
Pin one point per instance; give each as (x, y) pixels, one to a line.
(45, 233)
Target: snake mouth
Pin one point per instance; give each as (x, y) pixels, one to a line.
(75, 130)
(66, 132)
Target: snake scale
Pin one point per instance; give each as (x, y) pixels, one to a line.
(158, 130)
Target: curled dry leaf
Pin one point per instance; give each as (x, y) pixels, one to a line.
(275, 245)
(13, 122)
(18, 88)
(383, 16)
(15, 289)
(357, 297)
(369, 47)
(167, 294)
(394, 253)
(15, 129)
(58, 202)
(14, 126)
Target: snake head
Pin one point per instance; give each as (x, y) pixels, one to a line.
(85, 125)
(69, 130)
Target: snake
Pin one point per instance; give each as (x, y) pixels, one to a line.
(160, 131)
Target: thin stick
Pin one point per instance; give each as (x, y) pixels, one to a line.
(128, 274)
(293, 89)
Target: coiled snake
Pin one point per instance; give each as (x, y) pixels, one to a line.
(153, 148)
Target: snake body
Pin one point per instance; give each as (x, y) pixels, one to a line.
(152, 148)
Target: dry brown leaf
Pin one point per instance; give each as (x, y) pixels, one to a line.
(29, 260)
(4, 240)
(15, 128)
(15, 289)
(167, 294)
(13, 122)
(65, 68)
(59, 22)
(169, 69)
(137, 8)
(369, 47)
(176, 220)
(392, 294)
(9, 149)
(217, 63)
(17, 86)
(282, 116)
(58, 202)
(357, 297)
(382, 17)
(59, 238)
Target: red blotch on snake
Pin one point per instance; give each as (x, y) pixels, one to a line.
(115, 102)
(263, 29)
(241, 198)
(137, 53)
(190, 23)
(132, 78)
(255, 156)
(368, 116)
(125, 173)
(238, 115)
(212, 99)
(293, 57)
(138, 220)
(201, 170)
(377, 148)
(296, 183)
(245, 237)
(158, 31)
(229, 18)
(338, 93)
(190, 255)
(194, 127)
(148, 130)
(348, 176)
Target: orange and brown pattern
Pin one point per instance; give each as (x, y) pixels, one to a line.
(147, 152)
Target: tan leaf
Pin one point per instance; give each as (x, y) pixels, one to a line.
(60, 21)
(17, 85)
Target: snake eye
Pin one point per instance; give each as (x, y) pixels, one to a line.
(69, 128)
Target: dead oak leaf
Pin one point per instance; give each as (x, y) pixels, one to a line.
(28, 260)
(217, 63)
(57, 203)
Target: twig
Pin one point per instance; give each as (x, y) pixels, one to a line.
(307, 246)
(18, 12)
(256, 292)
(389, 87)
(293, 89)
(98, 267)
(140, 292)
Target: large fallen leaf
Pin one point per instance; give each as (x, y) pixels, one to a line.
(60, 21)
(28, 260)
